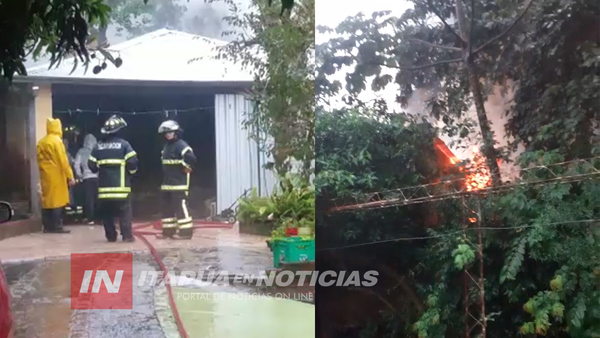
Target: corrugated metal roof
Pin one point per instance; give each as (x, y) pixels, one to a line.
(163, 55)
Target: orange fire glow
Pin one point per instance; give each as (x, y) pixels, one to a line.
(477, 172)
(478, 176)
(445, 151)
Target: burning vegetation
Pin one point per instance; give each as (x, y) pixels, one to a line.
(476, 171)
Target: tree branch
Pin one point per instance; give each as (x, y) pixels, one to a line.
(433, 45)
(380, 297)
(422, 66)
(471, 28)
(408, 290)
(435, 11)
(382, 268)
(506, 31)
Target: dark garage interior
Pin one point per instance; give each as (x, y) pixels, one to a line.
(144, 108)
(16, 149)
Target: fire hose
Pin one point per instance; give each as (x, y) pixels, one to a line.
(198, 224)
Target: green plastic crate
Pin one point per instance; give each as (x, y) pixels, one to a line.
(292, 250)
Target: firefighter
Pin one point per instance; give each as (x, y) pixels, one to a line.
(115, 161)
(177, 161)
(74, 210)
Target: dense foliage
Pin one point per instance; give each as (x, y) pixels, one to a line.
(499, 48)
(541, 261)
(279, 50)
(275, 41)
(541, 265)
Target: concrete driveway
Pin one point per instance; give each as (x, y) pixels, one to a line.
(38, 269)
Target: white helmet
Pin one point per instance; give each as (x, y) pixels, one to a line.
(168, 126)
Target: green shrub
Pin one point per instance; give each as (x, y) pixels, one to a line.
(292, 205)
(254, 208)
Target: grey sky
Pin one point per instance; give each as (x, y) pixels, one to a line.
(332, 12)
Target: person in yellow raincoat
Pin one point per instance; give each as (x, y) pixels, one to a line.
(55, 176)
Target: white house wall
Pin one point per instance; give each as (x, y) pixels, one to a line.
(240, 163)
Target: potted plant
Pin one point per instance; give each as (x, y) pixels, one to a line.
(292, 239)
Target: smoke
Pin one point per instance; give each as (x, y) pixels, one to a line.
(417, 104)
(206, 19)
(496, 105)
(200, 18)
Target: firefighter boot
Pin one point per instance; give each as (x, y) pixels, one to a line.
(186, 233)
(169, 232)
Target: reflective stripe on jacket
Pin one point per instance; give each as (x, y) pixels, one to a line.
(177, 156)
(115, 161)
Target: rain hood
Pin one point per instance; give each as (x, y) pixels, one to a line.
(82, 171)
(54, 127)
(89, 141)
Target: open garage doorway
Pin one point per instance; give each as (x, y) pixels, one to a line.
(144, 108)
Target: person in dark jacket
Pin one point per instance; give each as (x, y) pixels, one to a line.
(74, 210)
(115, 161)
(177, 161)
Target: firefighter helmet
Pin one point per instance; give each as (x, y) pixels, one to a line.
(169, 126)
(113, 124)
(71, 129)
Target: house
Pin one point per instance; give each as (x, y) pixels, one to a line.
(158, 79)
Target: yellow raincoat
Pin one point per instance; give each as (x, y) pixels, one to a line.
(54, 167)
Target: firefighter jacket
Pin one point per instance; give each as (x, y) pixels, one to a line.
(54, 167)
(115, 161)
(177, 161)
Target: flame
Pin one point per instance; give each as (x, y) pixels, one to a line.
(478, 173)
(441, 146)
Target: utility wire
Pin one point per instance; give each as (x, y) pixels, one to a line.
(405, 239)
(112, 112)
(446, 189)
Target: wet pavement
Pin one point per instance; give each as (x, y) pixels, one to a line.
(41, 304)
(232, 315)
(40, 288)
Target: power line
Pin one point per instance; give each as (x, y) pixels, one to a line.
(455, 188)
(134, 112)
(406, 239)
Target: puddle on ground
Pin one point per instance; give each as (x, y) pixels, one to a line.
(41, 305)
(40, 299)
(237, 310)
(222, 313)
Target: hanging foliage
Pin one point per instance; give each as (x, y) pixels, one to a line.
(280, 53)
